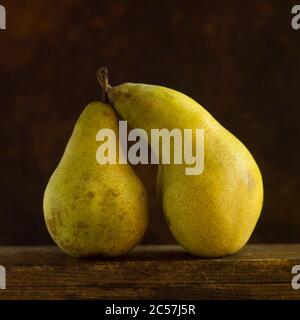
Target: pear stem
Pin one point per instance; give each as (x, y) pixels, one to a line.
(102, 76)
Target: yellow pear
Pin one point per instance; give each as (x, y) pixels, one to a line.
(213, 213)
(94, 209)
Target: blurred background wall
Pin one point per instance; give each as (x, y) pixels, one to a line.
(240, 59)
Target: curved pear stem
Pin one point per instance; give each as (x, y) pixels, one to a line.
(102, 76)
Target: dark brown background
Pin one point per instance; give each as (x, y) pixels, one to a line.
(240, 60)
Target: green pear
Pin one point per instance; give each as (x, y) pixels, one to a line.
(94, 209)
(213, 213)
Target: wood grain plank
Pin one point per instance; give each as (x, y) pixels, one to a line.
(199, 292)
(258, 271)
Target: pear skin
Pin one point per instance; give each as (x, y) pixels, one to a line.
(94, 209)
(212, 214)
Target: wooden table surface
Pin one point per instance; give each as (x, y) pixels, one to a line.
(151, 272)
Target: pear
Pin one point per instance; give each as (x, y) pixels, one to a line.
(210, 214)
(94, 209)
